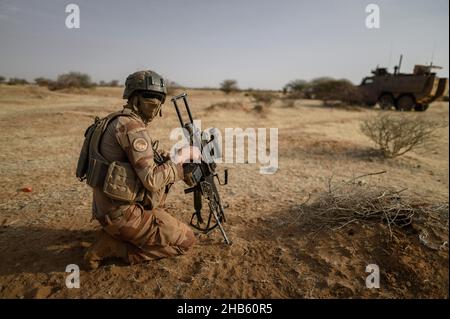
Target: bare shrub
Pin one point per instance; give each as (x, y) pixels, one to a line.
(265, 98)
(260, 110)
(229, 86)
(397, 134)
(356, 201)
(71, 80)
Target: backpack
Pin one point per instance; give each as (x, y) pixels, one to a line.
(92, 166)
(117, 179)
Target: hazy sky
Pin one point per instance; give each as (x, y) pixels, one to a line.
(260, 43)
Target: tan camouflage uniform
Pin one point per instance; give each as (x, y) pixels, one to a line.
(149, 232)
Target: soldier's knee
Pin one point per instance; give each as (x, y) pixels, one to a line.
(189, 240)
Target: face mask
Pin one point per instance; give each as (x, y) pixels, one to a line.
(149, 107)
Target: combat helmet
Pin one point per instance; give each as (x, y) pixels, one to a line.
(145, 81)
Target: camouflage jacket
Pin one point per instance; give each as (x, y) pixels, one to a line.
(127, 139)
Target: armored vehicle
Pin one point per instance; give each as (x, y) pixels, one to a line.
(404, 92)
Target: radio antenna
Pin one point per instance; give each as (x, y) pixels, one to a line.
(390, 55)
(432, 53)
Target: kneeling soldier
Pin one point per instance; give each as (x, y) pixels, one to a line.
(129, 184)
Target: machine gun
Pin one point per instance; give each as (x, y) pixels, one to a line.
(201, 175)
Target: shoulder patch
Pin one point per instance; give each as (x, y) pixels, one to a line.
(140, 144)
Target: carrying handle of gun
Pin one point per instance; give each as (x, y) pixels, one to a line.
(186, 104)
(178, 112)
(188, 109)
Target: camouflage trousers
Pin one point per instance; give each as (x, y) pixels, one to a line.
(150, 234)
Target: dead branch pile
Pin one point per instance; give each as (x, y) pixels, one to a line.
(356, 201)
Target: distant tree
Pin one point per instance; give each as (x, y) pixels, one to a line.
(170, 83)
(317, 88)
(336, 90)
(229, 86)
(2, 79)
(321, 80)
(42, 81)
(172, 86)
(102, 83)
(295, 86)
(17, 81)
(325, 89)
(113, 83)
(72, 80)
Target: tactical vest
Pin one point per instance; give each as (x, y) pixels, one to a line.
(118, 179)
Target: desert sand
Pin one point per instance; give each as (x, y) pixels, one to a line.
(273, 255)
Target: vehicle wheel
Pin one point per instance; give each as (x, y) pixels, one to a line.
(386, 101)
(421, 107)
(405, 103)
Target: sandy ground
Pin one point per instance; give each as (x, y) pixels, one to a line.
(273, 255)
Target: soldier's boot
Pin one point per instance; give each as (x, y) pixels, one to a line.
(105, 246)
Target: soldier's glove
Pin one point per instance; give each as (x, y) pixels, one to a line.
(161, 156)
